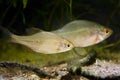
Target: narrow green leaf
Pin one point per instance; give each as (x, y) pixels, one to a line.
(23, 17)
(25, 3)
(14, 3)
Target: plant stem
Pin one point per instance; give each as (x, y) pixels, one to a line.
(4, 14)
(13, 19)
(52, 12)
(70, 5)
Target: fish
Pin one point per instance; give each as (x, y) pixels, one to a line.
(84, 33)
(41, 42)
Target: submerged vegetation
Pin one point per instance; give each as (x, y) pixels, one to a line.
(18, 15)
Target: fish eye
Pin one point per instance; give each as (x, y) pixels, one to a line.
(68, 45)
(106, 30)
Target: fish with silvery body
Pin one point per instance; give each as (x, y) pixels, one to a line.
(41, 42)
(82, 33)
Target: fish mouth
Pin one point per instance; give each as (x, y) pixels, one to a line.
(71, 46)
(110, 32)
(100, 38)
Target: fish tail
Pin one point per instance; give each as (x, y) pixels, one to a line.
(5, 33)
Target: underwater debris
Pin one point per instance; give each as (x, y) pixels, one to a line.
(102, 69)
(16, 71)
(56, 71)
(76, 63)
(17, 74)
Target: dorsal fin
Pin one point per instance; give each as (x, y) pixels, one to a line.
(33, 30)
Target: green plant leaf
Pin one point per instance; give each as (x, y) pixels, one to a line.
(25, 3)
(23, 17)
(14, 3)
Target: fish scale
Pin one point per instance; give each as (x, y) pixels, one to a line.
(41, 42)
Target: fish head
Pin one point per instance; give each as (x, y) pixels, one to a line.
(103, 33)
(93, 36)
(64, 45)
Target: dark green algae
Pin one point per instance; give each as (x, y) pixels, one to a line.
(11, 52)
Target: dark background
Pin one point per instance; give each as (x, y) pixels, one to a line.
(17, 15)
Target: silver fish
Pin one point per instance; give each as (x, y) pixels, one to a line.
(41, 42)
(83, 33)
